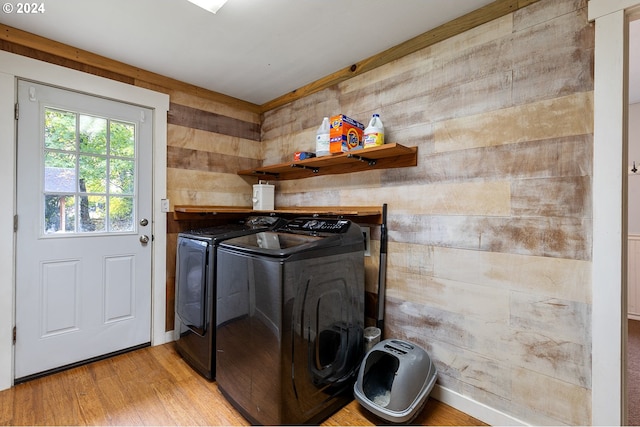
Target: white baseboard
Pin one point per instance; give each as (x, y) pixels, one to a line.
(167, 337)
(633, 316)
(477, 410)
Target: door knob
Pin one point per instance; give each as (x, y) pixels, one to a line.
(144, 221)
(144, 239)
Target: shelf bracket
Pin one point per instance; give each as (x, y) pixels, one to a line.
(371, 162)
(273, 174)
(312, 169)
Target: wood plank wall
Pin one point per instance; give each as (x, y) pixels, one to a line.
(207, 143)
(491, 234)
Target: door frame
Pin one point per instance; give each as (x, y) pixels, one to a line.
(13, 66)
(609, 265)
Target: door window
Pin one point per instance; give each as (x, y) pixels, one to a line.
(89, 174)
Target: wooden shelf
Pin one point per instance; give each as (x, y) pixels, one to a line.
(366, 214)
(384, 157)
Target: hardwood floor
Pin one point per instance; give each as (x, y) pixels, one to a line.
(154, 386)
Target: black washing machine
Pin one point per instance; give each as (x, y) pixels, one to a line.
(196, 288)
(290, 320)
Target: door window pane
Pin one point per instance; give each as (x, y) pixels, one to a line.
(59, 172)
(93, 174)
(89, 174)
(121, 176)
(59, 214)
(93, 134)
(121, 213)
(93, 214)
(59, 130)
(123, 140)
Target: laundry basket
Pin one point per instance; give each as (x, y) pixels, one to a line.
(395, 380)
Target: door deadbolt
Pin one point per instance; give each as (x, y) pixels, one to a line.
(144, 221)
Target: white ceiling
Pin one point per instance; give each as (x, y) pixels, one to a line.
(254, 50)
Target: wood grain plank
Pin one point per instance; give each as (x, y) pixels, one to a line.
(559, 33)
(116, 402)
(7, 408)
(558, 237)
(434, 413)
(552, 197)
(282, 149)
(549, 336)
(215, 197)
(485, 304)
(467, 198)
(552, 277)
(28, 406)
(326, 187)
(563, 116)
(200, 140)
(56, 395)
(441, 96)
(212, 122)
(560, 400)
(206, 104)
(304, 113)
(92, 410)
(550, 158)
(484, 358)
(204, 180)
(187, 159)
(434, 56)
(531, 14)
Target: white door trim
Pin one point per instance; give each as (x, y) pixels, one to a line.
(609, 211)
(13, 66)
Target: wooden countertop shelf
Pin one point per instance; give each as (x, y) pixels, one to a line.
(387, 156)
(365, 214)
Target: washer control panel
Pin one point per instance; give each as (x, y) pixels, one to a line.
(317, 225)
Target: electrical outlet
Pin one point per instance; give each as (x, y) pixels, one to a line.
(367, 240)
(164, 205)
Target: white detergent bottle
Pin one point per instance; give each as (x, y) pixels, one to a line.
(322, 138)
(374, 133)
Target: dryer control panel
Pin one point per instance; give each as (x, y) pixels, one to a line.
(317, 225)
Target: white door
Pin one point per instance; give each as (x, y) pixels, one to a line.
(83, 263)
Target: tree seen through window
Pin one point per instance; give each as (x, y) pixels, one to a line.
(89, 179)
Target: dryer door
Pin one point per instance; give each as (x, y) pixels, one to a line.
(191, 283)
